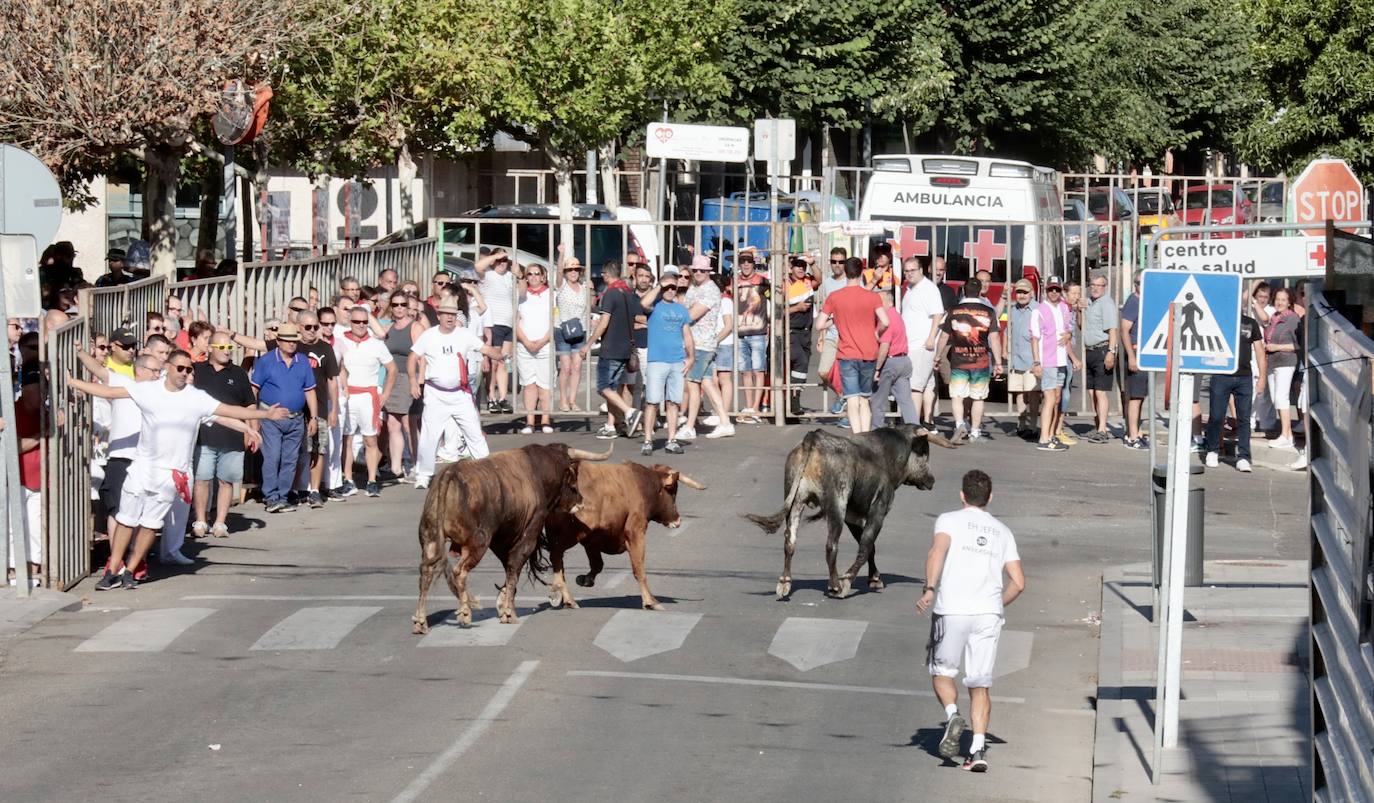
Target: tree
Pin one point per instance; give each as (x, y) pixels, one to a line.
(575, 74)
(86, 81)
(393, 78)
(1316, 63)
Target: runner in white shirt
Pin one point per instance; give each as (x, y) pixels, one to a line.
(922, 313)
(964, 581)
(365, 367)
(171, 416)
(439, 372)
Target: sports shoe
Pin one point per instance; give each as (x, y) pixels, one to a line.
(1211, 460)
(722, 431)
(1097, 436)
(711, 420)
(373, 490)
(1066, 438)
(843, 423)
(632, 420)
(687, 434)
(275, 507)
(1134, 443)
(335, 495)
(1281, 443)
(198, 529)
(1243, 466)
(837, 407)
(219, 531)
(960, 432)
(421, 485)
(1051, 446)
(978, 435)
(1300, 464)
(507, 407)
(646, 448)
(492, 406)
(673, 447)
(546, 429)
(288, 508)
(949, 743)
(527, 430)
(176, 557)
(109, 580)
(607, 433)
(314, 500)
(977, 761)
(348, 488)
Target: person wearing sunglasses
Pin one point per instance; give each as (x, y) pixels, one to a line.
(1018, 352)
(220, 452)
(160, 472)
(1051, 348)
(832, 283)
(283, 378)
(1137, 381)
(321, 447)
(671, 352)
(703, 302)
(154, 324)
(367, 364)
(533, 352)
(402, 411)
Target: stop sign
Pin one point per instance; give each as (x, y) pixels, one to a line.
(1328, 190)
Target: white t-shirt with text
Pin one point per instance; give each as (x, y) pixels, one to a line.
(980, 546)
(444, 353)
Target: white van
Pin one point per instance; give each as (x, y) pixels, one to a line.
(927, 188)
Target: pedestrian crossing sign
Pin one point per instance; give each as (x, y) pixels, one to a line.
(1209, 305)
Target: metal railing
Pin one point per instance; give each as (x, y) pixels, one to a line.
(109, 308)
(214, 300)
(266, 288)
(1340, 443)
(67, 447)
(413, 260)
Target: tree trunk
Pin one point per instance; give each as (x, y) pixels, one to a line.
(405, 179)
(610, 187)
(562, 171)
(211, 189)
(162, 167)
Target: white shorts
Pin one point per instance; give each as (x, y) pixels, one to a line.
(922, 368)
(534, 369)
(360, 411)
(33, 525)
(148, 509)
(970, 639)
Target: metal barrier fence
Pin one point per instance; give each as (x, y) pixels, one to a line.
(67, 447)
(268, 287)
(413, 260)
(214, 300)
(127, 305)
(1340, 433)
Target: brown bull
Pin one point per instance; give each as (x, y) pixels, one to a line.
(618, 502)
(499, 503)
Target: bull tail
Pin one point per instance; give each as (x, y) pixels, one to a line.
(769, 524)
(796, 474)
(538, 562)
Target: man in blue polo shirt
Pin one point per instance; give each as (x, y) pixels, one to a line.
(282, 377)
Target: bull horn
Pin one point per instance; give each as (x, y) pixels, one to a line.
(689, 482)
(580, 454)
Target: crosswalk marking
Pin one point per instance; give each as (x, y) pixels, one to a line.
(486, 630)
(144, 631)
(807, 643)
(314, 628)
(631, 635)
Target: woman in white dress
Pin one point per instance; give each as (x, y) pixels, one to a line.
(534, 347)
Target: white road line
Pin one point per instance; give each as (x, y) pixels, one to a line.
(314, 628)
(303, 597)
(144, 631)
(470, 736)
(807, 643)
(631, 635)
(777, 684)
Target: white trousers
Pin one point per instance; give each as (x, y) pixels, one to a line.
(334, 460)
(445, 409)
(174, 526)
(33, 525)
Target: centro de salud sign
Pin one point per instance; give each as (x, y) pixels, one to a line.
(1250, 257)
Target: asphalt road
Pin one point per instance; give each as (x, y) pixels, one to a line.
(282, 667)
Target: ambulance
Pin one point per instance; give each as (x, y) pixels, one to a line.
(991, 207)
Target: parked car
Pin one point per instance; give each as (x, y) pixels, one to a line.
(1076, 250)
(1217, 205)
(1155, 209)
(1268, 198)
(1111, 203)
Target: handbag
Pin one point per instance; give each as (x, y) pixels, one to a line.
(572, 330)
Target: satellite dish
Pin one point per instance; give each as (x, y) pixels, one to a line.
(242, 112)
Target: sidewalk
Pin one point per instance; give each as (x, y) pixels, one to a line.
(1244, 714)
(18, 615)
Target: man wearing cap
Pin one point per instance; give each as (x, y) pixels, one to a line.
(1019, 353)
(114, 261)
(123, 349)
(703, 304)
(801, 320)
(1051, 332)
(283, 378)
(439, 371)
(752, 294)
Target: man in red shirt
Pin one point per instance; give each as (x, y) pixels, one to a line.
(859, 317)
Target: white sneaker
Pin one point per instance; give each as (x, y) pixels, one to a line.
(527, 430)
(199, 529)
(712, 420)
(176, 557)
(421, 484)
(1211, 461)
(687, 434)
(1281, 443)
(1243, 466)
(722, 431)
(1300, 464)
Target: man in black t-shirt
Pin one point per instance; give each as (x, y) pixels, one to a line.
(219, 452)
(325, 364)
(614, 329)
(1243, 388)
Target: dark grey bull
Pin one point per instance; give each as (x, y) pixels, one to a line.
(850, 481)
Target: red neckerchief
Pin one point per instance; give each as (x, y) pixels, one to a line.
(365, 337)
(618, 284)
(543, 289)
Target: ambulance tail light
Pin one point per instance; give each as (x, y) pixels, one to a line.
(1004, 170)
(949, 181)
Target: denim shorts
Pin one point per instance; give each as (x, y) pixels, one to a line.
(664, 381)
(219, 464)
(701, 368)
(753, 352)
(856, 377)
(609, 372)
(725, 357)
(561, 346)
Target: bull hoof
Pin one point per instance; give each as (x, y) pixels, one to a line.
(464, 618)
(510, 619)
(875, 583)
(841, 591)
(586, 580)
(418, 626)
(784, 589)
(555, 599)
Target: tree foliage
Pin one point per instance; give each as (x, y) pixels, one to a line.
(1316, 62)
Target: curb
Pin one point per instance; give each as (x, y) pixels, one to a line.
(18, 615)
